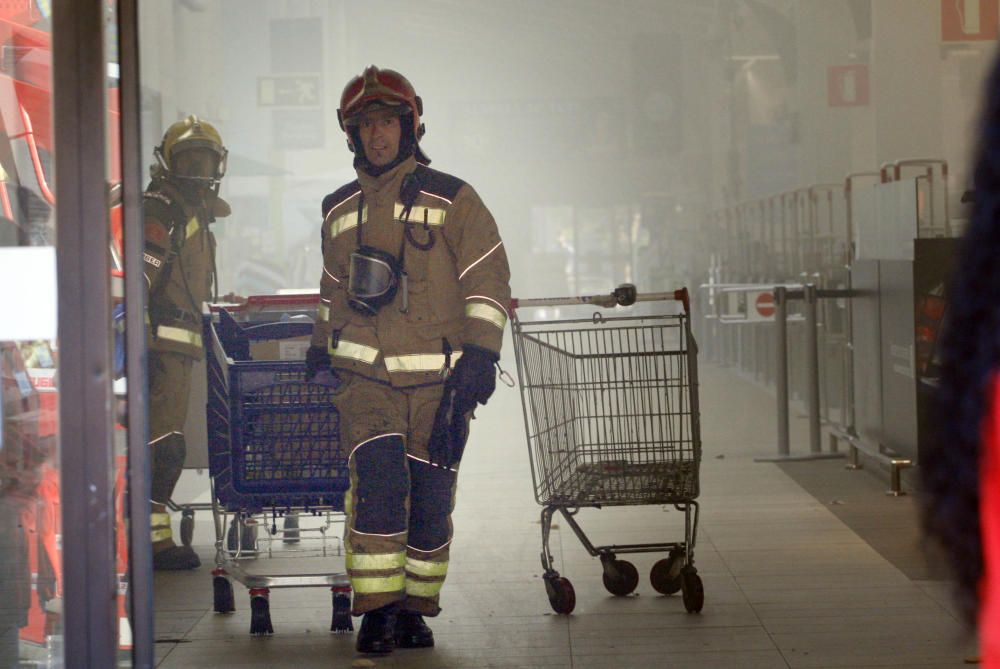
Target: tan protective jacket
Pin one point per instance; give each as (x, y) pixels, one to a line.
(179, 268)
(458, 289)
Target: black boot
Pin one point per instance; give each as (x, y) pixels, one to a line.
(174, 558)
(377, 629)
(412, 631)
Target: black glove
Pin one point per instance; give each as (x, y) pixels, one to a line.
(317, 360)
(449, 434)
(474, 378)
(471, 382)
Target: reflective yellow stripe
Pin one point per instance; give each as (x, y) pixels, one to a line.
(376, 561)
(159, 519)
(179, 335)
(347, 221)
(418, 362)
(422, 588)
(426, 568)
(435, 216)
(192, 227)
(324, 312)
(370, 585)
(486, 312)
(355, 351)
(348, 505)
(160, 535)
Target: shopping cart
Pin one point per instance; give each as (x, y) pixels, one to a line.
(611, 415)
(274, 450)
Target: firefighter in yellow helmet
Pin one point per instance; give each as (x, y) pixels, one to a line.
(414, 297)
(180, 203)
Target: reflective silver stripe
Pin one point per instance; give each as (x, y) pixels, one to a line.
(425, 567)
(485, 255)
(347, 221)
(355, 351)
(440, 197)
(486, 312)
(179, 335)
(324, 312)
(370, 585)
(192, 227)
(423, 588)
(418, 362)
(164, 436)
(435, 215)
(327, 272)
(376, 561)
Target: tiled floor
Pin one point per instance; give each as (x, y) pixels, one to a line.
(787, 582)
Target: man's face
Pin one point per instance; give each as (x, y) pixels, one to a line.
(380, 132)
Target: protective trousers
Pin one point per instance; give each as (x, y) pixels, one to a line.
(169, 386)
(398, 507)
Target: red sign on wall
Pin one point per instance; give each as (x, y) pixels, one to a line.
(847, 85)
(765, 304)
(969, 20)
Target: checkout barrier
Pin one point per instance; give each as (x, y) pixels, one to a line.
(818, 235)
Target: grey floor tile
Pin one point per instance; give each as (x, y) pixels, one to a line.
(788, 582)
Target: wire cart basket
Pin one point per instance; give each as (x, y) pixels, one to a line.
(611, 416)
(274, 450)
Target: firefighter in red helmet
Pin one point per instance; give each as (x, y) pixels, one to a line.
(414, 291)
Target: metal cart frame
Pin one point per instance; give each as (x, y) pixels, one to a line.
(274, 445)
(612, 419)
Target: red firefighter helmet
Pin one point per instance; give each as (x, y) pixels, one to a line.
(379, 87)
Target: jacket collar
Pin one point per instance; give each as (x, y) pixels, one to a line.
(392, 179)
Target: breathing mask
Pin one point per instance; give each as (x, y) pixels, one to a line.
(374, 280)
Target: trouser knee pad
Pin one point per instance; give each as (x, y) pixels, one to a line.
(167, 456)
(430, 505)
(381, 486)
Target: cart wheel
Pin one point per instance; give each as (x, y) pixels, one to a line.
(260, 613)
(290, 535)
(341, 610)
(692, 591)
(187, 526)
(665, 576)
(222, 589)
(248, 536)
(620, 577)
(562, 597)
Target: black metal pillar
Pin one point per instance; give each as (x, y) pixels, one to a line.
(85, 411)
(140, 554)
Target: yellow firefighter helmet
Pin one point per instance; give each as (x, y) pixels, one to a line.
(192, 149)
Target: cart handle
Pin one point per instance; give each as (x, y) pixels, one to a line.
(624, 295)
(302, 299)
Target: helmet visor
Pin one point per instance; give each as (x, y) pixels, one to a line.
(376, 109)
(196, 162)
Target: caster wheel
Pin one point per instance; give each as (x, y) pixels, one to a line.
(260, 613)
(692, 591)
(248, 536)
(665, 576)
(187, 527)
(222, 590)
(562, 597)
(341, 623)
(620, 577)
